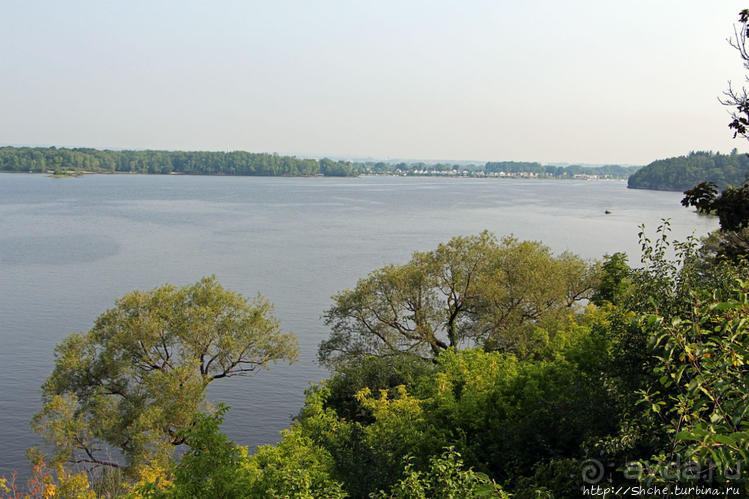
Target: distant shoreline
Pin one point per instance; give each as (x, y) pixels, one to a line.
(64, 161)
(77, 174)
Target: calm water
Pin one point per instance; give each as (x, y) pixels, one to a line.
(70, 247)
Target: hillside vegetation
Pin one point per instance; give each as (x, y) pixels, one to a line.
(684, 172)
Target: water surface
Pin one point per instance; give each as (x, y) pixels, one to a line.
(69, 247)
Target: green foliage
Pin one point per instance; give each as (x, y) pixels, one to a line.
(369, 456)
(446, 479)
(380, 426)
(215, 467)
(667, 275)
(702, 197)
(375, 373)
(63, 161)
(138, 376)
(295, 468)
(507, 295)
(504, 415)
(618, 362)
(683, 172)
(550, 479)
(528, 421)
(727, 245)
(732, 208)
(704, 394)
(209, 467)
(331, 168)
(44, 483)
(615, 281)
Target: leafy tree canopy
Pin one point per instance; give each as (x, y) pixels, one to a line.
(506, 295)
(731, 206)
(139, 375)
(683, 172)
(703, 397)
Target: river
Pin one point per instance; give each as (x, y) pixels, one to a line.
(70, 246)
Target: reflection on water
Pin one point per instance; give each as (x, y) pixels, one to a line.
(56, 250)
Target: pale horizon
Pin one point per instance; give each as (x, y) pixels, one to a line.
(578, 83)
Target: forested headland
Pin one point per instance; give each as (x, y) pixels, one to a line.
(683, 172)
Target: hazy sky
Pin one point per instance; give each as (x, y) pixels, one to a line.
(552, 81)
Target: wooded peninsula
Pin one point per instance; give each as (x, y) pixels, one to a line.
(683, 172)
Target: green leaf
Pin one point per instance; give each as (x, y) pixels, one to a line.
(724, 439)
(686, 436)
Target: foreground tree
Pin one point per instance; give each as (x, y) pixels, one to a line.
(470, 290)
(703, 397)
(731, 206)
(139, 375)
(446, 477)
(214, 466)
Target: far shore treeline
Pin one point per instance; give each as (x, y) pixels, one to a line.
(670, 174)
(63, 160)
(78, 160)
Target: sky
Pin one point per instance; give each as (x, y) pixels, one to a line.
(594, 81)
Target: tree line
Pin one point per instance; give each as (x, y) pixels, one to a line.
(64, 160)
(683, 172)
(75, 160)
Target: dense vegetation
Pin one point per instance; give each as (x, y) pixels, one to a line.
(52, 159)
(732, 209)
(481, 368)
(469, 291)
(684, 172)
(653, 371)
(137, 377)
